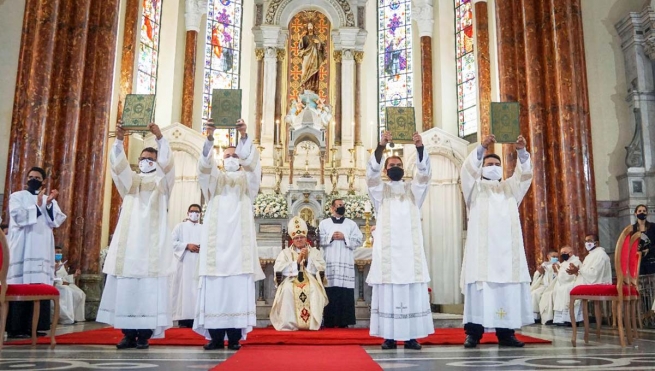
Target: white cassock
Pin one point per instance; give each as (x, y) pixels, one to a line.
(184, 286)
(561, 297)
(540, 283)
(298, 306)
(229, 262)
(495, 276)
(546, 304)
(31, 242)
(399, 276)
(71, 298)
(338, 254)
(139, 261)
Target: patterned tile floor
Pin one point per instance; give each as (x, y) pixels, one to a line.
(605, 354)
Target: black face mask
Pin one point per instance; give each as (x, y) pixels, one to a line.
(565, 257)
(395, 173)
(341, 210)
(33, 185)
(642, 216)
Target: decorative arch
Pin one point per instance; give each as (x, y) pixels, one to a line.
(280, 12)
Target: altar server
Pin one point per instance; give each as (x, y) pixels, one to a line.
(340, 236)
(71, 298)
(139, 263)
(399, 276)
(563, 286)
(184, 285)
(542, 278)
(300, 297)
(495, 277)
(229, 263)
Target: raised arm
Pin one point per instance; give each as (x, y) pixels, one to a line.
(374, 172)
(207, 169)
(249, 160)
(472, 169)
(521, 180)
(421, 182)
(121, 172)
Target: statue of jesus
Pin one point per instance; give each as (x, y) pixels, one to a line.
(312, 52)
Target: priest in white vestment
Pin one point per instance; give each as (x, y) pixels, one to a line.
(300, 297)
(33, 214)
(399, 276)
(495, 276)
(184, 285)
(541, 279)
(71, 298)
(229, 262)
(139, 263)
(563, 286)
(339, 236)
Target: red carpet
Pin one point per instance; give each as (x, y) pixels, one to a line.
(315, 358)
(269, 336)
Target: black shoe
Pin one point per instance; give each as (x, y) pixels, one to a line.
(413, 344)
(214, 345)
(142, 344)
(126, 343)
(41, 334)
(15, 335)
(471, 342)
(511, 341)
(389, 344)
(236, 346)
(549, 322)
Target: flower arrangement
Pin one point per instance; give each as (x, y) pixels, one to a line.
(272, 206)
(355, 205)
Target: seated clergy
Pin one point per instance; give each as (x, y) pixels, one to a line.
(300, 297)
(542, 278)
(563, 286)
(71, 298)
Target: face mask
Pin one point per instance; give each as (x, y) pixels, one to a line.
(554, 260)
(589, 245)
(565, 257)
(58, 257)
(231, 164)
(492, 172)
(34, 185)
(341, 210)
(147, 166)
(395, 173)
(639, 216)
(194, 217)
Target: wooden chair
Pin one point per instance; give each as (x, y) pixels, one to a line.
(24, 292)
(314, 240)
(624, 293)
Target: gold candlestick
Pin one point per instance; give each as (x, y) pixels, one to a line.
(367, 230)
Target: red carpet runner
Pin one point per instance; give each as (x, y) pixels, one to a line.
(284, 358)
(268, 336)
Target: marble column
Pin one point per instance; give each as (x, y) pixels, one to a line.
(60, 117)
(347, 103)
(259, 55)
(541, 65)
(278, 93)
(194, 10)
(359, 57)
(337, 102)
(423, 15)
(270, 86)
(481, 31)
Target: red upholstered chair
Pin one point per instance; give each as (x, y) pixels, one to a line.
(622, 294)
(24, 292)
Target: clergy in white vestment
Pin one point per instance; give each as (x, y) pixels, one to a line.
(399, 276)
(300, 296)
(339, 237)
(563, 286)
(184, 285)
(139, 262)
(495, 276)
(541, 279)
(229, 262)
(71, 298)
(33, 214)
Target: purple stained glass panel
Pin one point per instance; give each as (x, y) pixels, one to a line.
(467, 91)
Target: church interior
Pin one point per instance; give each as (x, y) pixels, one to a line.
(582, 72)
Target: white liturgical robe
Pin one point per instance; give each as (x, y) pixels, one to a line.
(71, 298)
(596, 268)
(399, 276)
(184, 285)
(298, 306)
(495, 276)
(229, 262)
(563, 286)
(540, 283)
(139, 261)
(338, 254)
(31, 242)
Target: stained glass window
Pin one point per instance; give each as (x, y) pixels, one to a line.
(467, 89)
(146, 82)
(395, 85)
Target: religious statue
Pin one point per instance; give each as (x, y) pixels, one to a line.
(312, 52)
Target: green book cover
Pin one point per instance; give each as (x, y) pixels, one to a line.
(505, 121)
(401, 122)
(138, 111)
(226, 107)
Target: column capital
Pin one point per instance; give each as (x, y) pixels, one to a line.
(270, 36)
(349, 38)
(193, 12)
(281, 53)
(270, 53)
(347, 55)
(259, 53)
(359, 57)
(337, 56)
(423, 15)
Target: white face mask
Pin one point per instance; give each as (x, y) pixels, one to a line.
(492, 172)
(194, 216)
(147, 166)
(231, 164)
(589, 245)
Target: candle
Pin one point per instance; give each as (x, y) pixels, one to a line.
(277, 131)
(367, 207)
